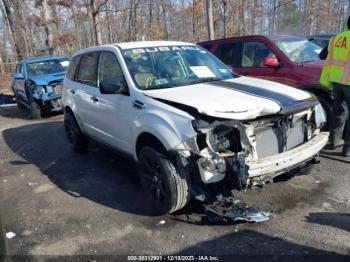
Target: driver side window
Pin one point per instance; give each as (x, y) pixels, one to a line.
(109, 68)
(254, 54)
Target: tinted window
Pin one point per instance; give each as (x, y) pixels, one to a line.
(72, 67)
(87, 73)
(254, 54)
(228, 53)
(110, 68)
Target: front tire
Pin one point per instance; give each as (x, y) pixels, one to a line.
(76, 138)
(19, 104)
(166, 185)
(35, 110)
(328, 108)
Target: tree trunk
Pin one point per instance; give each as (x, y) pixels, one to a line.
(210, 22)
(10, 19)
(47, 27)
(166, 34)
(94, 14)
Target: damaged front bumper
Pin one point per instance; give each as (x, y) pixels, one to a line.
(49, 96)
(272, 166)
(253, 152)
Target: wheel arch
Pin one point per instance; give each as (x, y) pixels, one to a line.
(69, 110)
(148, 139)
(319, 90)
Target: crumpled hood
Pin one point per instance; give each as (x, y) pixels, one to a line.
(46, 79)
(241, 98)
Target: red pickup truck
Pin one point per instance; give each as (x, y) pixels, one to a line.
(290, 60)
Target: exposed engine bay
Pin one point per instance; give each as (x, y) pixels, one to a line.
(229, 146)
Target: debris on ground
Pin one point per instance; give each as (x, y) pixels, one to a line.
(10, 235)
(26, 233)
(317, 182)
(229, 209)
(32, 184)
(160, 223)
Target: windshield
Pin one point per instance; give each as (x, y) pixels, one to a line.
(47, 67)
(299, 50)
(171, 66)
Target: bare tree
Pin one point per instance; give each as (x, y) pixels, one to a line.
(210, 20)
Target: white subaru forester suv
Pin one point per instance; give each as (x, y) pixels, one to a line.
(194, 128)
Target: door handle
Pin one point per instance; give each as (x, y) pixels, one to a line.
(72, 91)
(94, 99)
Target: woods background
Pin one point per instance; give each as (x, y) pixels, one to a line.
(31, 28)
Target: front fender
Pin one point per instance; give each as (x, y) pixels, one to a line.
(170, 129)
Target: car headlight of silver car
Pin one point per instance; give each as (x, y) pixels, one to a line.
(320, 115)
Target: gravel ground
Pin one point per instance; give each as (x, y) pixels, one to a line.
(93, 205)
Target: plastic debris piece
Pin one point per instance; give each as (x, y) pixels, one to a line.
(10, 235)
(160, 223)
(228, 209)
(32, 184)
(317, 181)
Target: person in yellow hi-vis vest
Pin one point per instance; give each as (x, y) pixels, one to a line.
(336, 75)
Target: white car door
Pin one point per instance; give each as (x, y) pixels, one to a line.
(85, 88)
(111, 114)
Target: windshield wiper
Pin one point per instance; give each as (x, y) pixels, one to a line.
(202, 80)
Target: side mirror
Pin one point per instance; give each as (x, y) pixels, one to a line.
(271, 62)
(19, 76)
(111, 87)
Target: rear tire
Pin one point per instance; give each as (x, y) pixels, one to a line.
(76, 138)
(167, 186)
(35, 110)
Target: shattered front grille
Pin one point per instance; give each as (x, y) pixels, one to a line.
(275, 140)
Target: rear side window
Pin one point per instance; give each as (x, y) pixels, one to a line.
(87, 73)
(254, 54)
(228, 53)
(72, 68)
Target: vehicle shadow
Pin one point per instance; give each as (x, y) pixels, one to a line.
(14, 112)
(99, 175)
(336, 156)
(249, 245)
(336, 220)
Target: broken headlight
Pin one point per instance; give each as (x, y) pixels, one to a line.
(40, 89)
(320, 115)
